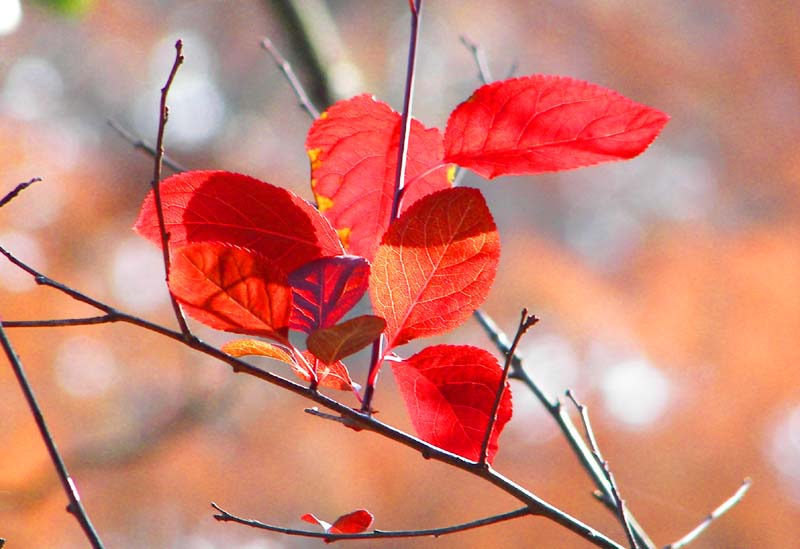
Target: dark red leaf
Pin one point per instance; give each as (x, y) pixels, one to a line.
(231, 289)
(334, 375)
(325, 289)
(435, 265)
(449, 391)
(237, 209)
(353, 149)
(546, 123)
(352, 523)
(340, 341)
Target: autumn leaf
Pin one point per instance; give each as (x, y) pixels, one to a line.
(449, 391)
(356, 522)
(435, 265)
(255, 347)
(333, 375)
(240, 210)
(340, 341)
(353, 149)
(546, 123)
(231, 289)
(325, 289)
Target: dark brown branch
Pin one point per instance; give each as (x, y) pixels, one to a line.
(225, 516)
(75, 506)
(525, 322)
(58, 322)
(291, 77)
(18, 189)
(156, 182)
(726, 506)
(144, 146)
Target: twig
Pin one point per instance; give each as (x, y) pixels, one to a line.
(536, 505)
(144, 146)
(564, 422)
(156, 183)
(622, 511)
(75, 506)
(726, 506)
(288, 73)
(57, 322)
(225, 516)
(525, 322)
(16, 190)
(484, 74)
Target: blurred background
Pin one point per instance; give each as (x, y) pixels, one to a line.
(668, 286)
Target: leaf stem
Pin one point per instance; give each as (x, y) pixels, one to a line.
(75, 506)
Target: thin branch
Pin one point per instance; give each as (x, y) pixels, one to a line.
(288, 73)
(225, 516)
(16, 190)
(525, 322)
(622, 511)
(536, 505)
(726, 506)
(75, 506)
(58, 322)
(144, 146)
(564, 422)
(479, 56)
(156, 182)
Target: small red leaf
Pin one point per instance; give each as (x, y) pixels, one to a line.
(353, 149)
(544, 123)
(340, 341)
(435, 265)
(325, 289)
(333, 376)
(231, 289)
(356, 522)
(449, 391)
(237, 209)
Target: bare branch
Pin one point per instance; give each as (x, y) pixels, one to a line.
(484, 74)
(144, 146)
(57, 322)
(726, 506)
(18, 189)
(291, 77)
(225, 516)
(75, 506)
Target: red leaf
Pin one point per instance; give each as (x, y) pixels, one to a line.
(449, 391)
(546, 123)
(340, 341)
(231, 289)
(333, 376)
(435, 265)
(353, 149)
(240, 210)
(352, 523)
(325, 289)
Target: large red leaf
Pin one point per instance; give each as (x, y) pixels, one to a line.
(546, 123)
(449, 391)
(340, 341)
(237, 209)
(353, 149)
(325, 289)
(435, 265)
(231, 289)
(352, 523)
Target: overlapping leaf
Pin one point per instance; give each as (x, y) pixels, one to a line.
(237, 209)
(353, 149)
(546, 123)
(333, 375)
(325, 289)
(356, 522)
(340, 341)
(231, 289)
(435, 265)
(449, 391)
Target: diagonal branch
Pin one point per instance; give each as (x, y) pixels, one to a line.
(291, 77)
(225, 516)
(144, 146)
(18, 189)
(75, 506)
(479, 56)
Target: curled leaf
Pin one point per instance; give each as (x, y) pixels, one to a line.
(255, 347)
(356, 522)
(333, 375)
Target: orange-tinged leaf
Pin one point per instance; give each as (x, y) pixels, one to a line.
(435, 265)
(333, 376)
(231, 289)
(255, 347)
(240, 210)
(353, 150)
(449, 391)
(325, 289)
(337, 342)
(543, 123)
(356, 522)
